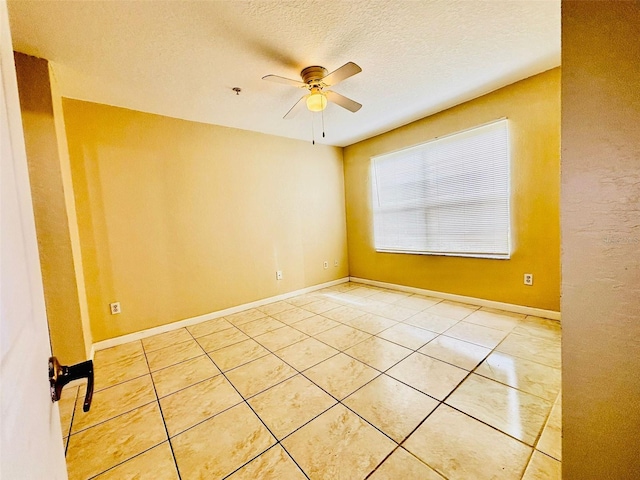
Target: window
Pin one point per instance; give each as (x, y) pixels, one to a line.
(448, 196)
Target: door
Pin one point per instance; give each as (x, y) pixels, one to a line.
(31, 439)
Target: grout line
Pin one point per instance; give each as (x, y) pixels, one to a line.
(164, 423)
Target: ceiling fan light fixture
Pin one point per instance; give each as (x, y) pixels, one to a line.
(317, 101)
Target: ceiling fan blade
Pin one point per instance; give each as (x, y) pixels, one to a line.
(347, 70)
(285, 81)
(293, 111)
(343, 101)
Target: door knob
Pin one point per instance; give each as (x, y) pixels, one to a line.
(60, 375)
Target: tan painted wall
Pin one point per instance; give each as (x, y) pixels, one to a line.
(52, 225)
(179, 219)
(533, 108)
(601, 239)
(70, 206)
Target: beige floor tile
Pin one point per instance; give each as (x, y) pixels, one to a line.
(470, 332)
(97, 449)
(418, 302)
(371, 323)
(451, 350)
(168, 356)
(71, 390)
(461, 448)
(301, 300)
(292, 316)
(341, 375)
(114, 401)
(393, 407)
(290, 404)
(260, 374)
(118, 372)
(209, 327)
(525, 375)
(345, 287)
(342, 337)
(280, 338)
(239, 436)
(542, 467)
(306, 353)
(407, 336)
(348, 300)
(401, 465)
(338, 445)
(389, 296)
(276, 307)
(320, 306)
(343, 314)
(238, 354)
(116, 354)
(66, 407)
(314, 325)
(391, 311)
(166, 339)
(183, 375)
(551, 439)
(154, 464)
(498, 319)
(260, 326)
(454, 310)
(516, 413)
(378, 353)
(245, 316)
(430, 376)
(540, 327)
(532, 348)
(364, 291)
(274, 464)
(190, 406)
(431, 322)
(218, 340)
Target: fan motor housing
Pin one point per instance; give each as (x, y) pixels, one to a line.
(314, 74)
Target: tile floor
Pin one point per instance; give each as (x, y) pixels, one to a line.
(349, 382)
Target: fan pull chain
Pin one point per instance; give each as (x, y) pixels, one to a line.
(322, 112)
(313, 132)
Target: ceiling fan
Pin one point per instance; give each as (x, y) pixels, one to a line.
(315, 79)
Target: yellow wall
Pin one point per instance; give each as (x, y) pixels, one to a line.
(533, 109)
(52, 224)
(601, 240)
(179, 219)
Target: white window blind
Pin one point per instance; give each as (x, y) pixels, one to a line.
(449, 196)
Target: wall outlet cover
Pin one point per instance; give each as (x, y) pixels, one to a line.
(115, 308)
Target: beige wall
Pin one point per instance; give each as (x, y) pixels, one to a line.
(601, 239)
(533, 109)
(52, 224)
(178, 219)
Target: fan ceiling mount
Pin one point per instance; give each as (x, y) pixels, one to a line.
(316, 80)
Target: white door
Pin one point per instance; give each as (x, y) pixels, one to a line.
(31, 442)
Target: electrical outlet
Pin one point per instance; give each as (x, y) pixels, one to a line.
(528, 278)
(325, 264)
(279, 275)
(115, 308)
(335, 263)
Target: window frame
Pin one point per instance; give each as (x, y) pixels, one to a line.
(450, 253)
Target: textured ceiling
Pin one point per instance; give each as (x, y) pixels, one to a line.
(182, 58)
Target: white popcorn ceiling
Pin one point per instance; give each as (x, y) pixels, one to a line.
(182, 58)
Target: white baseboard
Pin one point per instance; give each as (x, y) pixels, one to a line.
(509, 307)
(113, 342)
